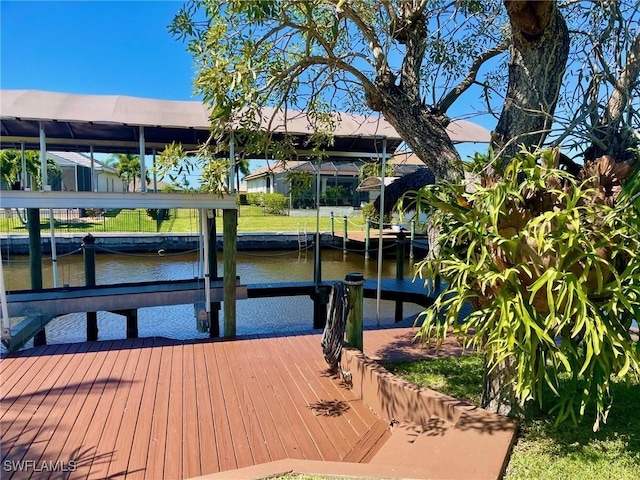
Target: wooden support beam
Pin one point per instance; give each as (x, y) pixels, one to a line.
(229, 251)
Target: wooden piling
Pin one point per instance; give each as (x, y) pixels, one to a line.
(35, 263)
(355, 293)
(214, 310)
(229, 251)
(132, 323)
(400, 254)
(89, 254)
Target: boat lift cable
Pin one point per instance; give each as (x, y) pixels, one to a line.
(333, 335)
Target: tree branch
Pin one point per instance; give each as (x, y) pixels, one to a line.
(470, 79)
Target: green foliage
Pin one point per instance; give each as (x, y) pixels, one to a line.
(370, 212)
(214, 176)
(300, 186)
(255, 198)
(551, 266)
(275, 203)
(374, 169)
(11, 166)
(335, 193)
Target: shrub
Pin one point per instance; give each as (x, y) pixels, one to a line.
(275, 203)
(369, 212)
(255, 198)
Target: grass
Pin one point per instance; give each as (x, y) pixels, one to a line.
(250, 219)
(544, 451)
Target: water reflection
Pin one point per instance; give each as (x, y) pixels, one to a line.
(253, 315)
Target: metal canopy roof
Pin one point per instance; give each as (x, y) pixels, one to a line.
(112, 124)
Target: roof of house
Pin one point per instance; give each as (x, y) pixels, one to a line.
(73, 158)
(340, 169)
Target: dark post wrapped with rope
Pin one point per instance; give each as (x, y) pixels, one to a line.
(333, 335)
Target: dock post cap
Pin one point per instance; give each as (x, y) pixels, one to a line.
(354, 277)
(88, 239)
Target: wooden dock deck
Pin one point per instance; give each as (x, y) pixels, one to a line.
(163, 409)
(158, 408)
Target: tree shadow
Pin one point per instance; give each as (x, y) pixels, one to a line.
(330, 408)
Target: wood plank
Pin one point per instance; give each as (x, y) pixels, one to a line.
(71, 446)
(107, 443)
(118, 466)
(352, 427)
(240, 439)
(48, 420)
(332, 423)
(244, 358)
(19, 387)
(190, 416)
(142, 437)
(370, 444)
(294, 387)
(173, 445)
(24, 424)
(224, 442)
(206, 422)
(156, 452)
(289, 428)
(252, 424)
(365, 417)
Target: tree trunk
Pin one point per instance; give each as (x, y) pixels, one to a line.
(539, 52)
(423, 130)
(497, 393)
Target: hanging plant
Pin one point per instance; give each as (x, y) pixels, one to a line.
(551, 265)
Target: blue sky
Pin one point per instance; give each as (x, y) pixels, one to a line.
(97, 47)
(94, 47)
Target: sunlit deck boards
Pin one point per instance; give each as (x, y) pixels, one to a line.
(157, 408)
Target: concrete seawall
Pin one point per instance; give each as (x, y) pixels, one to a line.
(152, 242)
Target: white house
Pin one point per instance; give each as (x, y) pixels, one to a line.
(76, 174)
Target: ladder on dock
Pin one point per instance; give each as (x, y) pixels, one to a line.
(303, 238)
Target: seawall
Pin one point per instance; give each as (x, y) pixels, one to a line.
(152, 242)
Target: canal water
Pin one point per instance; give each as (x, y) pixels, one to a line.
(268, 315)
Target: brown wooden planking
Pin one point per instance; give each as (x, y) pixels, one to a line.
(114, 419)
(273, 409)
(247, 411)
(81, 409)
(141, 439)
(190, 416)
(233, 409)
(326, 392)
(158, 435)
(51, 415)
(255, 425)
(173, 445)
(11, 364)
(360, 416)
(370, 443)
(326, 410)
(206, 419)
(224, 442)
(305, 445)
(18, 407)
(21, 386)
(245, 358)
(128, 428)
(363, 418)
(295, 389)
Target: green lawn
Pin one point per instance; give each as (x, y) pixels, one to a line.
(251, 219)
(543, 451)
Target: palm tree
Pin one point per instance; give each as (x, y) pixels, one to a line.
(11, 166)
(127, 167)
(242, 167)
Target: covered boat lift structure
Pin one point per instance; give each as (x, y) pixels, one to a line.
(32, 119)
